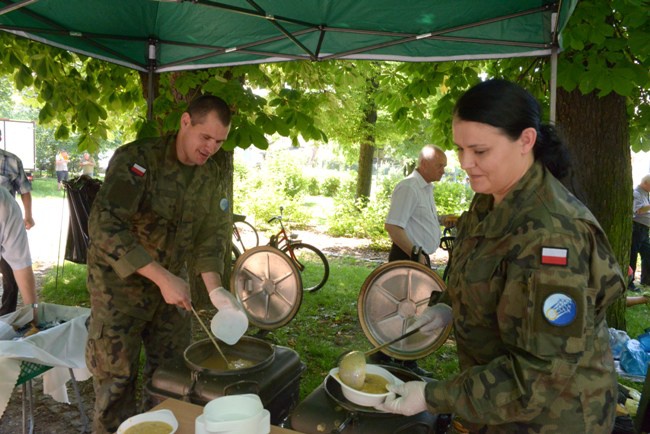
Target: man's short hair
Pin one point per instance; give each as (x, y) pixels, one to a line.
(205, 104)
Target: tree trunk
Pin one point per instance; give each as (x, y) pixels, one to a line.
(596, 130)
(367, 149)
(364, 177)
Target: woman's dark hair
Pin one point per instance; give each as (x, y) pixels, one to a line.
(205, 104)
(509, 107)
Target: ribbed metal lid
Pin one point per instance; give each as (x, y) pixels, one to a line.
(268, 285)
(388, 301)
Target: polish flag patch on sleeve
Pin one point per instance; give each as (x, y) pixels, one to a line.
(136, 169)
(555, 256)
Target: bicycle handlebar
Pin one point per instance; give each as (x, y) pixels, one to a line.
(272, 219)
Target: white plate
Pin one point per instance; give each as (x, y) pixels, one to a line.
(153, 416)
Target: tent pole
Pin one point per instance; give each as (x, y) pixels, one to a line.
(17, 5)
(150, 94)
(553, 84)
(150, 72)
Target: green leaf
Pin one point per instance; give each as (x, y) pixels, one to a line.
(46, 114)
(23, 78)
(622, 85)
(62, 132)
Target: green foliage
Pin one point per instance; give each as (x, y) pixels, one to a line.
(356, 218)
(330, 186)
(313, 186)
(452, 197)
(608, 50)
(80, 97)
(281, 182)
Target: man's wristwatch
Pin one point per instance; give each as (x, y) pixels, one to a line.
(415, 253)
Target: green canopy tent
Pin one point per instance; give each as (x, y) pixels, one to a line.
(156, 36)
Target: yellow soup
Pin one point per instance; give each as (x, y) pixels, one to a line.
(150, 427)
(375, 384)
(216, 363)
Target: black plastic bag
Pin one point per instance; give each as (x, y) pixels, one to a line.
(81, 193)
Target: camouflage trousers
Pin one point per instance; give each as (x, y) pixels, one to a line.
(113, 357)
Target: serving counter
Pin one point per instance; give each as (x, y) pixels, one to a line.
(186, 414)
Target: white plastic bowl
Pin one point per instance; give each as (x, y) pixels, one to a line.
(153, 416)
(234, 414)
(362, 398)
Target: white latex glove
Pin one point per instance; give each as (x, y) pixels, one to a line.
(432, 318)
(411, 400)
(223, 299)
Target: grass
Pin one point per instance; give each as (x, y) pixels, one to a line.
(45, 187)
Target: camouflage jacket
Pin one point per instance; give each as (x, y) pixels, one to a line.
(152, 208)
(530, 281)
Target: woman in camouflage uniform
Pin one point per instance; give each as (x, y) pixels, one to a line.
(531, 277)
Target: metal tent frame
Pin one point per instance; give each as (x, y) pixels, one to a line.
(156, 36)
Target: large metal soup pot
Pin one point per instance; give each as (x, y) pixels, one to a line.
(200, 356)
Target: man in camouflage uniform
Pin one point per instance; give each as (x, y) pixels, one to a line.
(155, 214)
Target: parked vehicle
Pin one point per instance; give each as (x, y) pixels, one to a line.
(17, 137)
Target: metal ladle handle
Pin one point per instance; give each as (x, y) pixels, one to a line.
(391, 342)
(214, 342)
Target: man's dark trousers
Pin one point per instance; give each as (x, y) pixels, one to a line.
(9, 289)
(640, 246)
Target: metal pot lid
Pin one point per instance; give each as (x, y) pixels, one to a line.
(268, 285)
(388, 301)
(334, 391)
(200, 354)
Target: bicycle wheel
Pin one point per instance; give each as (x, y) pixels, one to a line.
(313, 265)
(244, 235)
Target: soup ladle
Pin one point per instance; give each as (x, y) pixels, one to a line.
(352, 365)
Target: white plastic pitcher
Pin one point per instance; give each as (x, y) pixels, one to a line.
(229, 325)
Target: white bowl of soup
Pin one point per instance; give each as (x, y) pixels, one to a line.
(373, 392)
(153, 422)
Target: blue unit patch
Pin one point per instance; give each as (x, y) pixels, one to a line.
(560, 309)
(223, 204)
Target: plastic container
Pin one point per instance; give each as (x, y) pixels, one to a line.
(235, 414)
(229, 325)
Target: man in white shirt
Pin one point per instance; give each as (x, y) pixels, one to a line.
(14, 247)
(412, 220)
(640, 229)
(413, 223)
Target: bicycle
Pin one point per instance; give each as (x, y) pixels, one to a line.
(447, 244)
(310, 261)
(241, 227)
